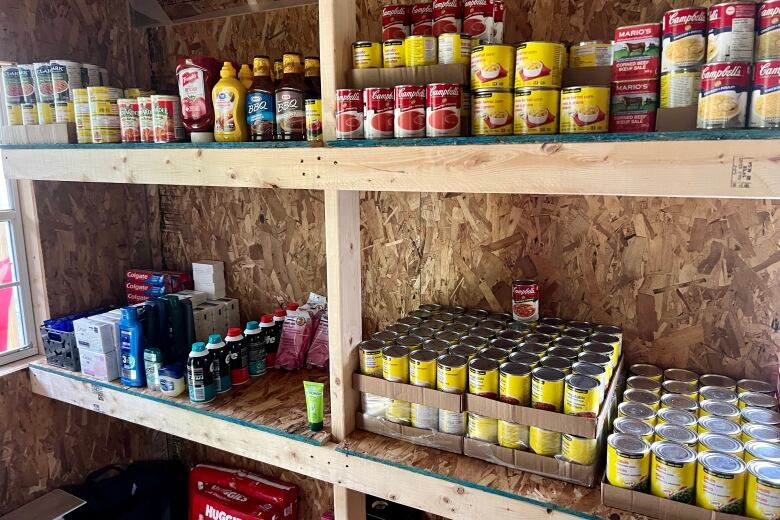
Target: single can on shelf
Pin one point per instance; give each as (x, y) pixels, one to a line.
(145, 119)
(370, 353)
(483, 377)
(422, 368)
(452, 373)
(547, 389)
(633, 105)
(491, 111)
(628, 462)
(536, 110)
(398, 411)
(410, 341)
(544, 442)
(399, 328)
(637, 411)
(754, 414)
(454, 48)
(579, 450)
(683, 38)
(448, 336)
(81, 115)
(525, 300)
(559, 363)
(582, 396)
(597, 359)
(420, 51)
(680, 387)
(757, 399)
(524, 358)
(467, 351)
(422, 18)
(514, 385)
(503, 344)
(386, 337)
(539, 64)
(496, 354)
(720, 482)
(719, 409)
(680, 374)
(681, 402)
(395, 364)
(592, 53)
(453, 423)
(426, 417)
(762, 490)
(349, 114)
(589, 369)
(393, 54)
(482, 428)
(396, 21)
(128, 120)
(636, 52)
(492, 66)
(723, 97)
(512, 435)
(673, 471)
(765, 98)
(643, 383)
(378, 110)
(569, 342)
(768, 30)
(730, 31)
(584, 109)
(410, 118)
(436, 345)
(366, 55)
(443, 110)
(762, 450)
(642, 396)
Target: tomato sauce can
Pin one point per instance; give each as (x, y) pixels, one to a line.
(539, 64)
(409, 111)
(636, 53)
(395, 22)
(768, 30)
(349, 114)
(765, 99)
(544, 442)
(478, 19)
(673, 471)
(499, 16)
(720, 482)
(128, 120)
(514, 383)
(592, 53)
(762, 490)
(422, 19)
(454, 48)
(536, 110)
(491, 112)
(684, 38)
(370, 353)
(584, 110)
(730, 31)
(512, 435)
(395, 364)
(633, 106)
(483, 377)
(582, 396)
(378, 106)
(482, 428)
(420, 51)
(393, 54)
(628, 462)
(723, 98)
(680, 87)
(443, 110)
(525, 300)
(166, 119)
(366, 55)
(547, 389)
(145, 119)
(579, 450)
(492, 66)
(447, 16)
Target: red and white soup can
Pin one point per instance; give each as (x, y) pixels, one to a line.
(395, 22)
(723, 97)
(409, 114)
(478, 19)
(349, 113)
(447, 16)
(379, 109)
(525, 300)
(730, 31)
(442, 115)
(422, 19)
(684, 38)
(499, 14)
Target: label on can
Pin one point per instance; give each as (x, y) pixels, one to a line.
(424, 417)
(478, 19)
(762, 491)
(491, 112)
(768, 30)
(672, 476)
(683, 38)
(395, 368)
(584, 110)
(395, 22)
(261, 113)
(483, 381)
(409, 111)
(514, 388)
(13, 95)
(636, 53)
(582, 396)
(579, 450)
(629, 470)
(453, 379)
(422, 19)
(166, 119)
(719, 490)
(680, 88)
(536, 110)
(373, 405)
(349, 114)
(499, 15)
(452, 422)
(420, 51)
(724, 95)
(398, 411)
(454, 48)
(422, 372)
(492, 66)
(443, 102)
(313, 111)
(765, 101)
(378, 108)
(393, 54)
(512, 435)
(730, 32)
(145, 119)
(371, 363)
(544, 442)
(128, 120)
(590, 54)
(447, 16)
(366, 55)
(633, 106)
(482, 428)
(547, 394)
(539, 64)
(465, 113)
(525, 300)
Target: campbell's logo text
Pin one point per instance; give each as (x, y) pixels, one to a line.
(422, 9)
(445, 4)
(410, 94)
(698, 17)
(769, 11)
(448, 91)
(393, 11)
(729, 71)
(351, 96)
(770, 69)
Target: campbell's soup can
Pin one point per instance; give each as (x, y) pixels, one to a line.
(465, 112)
(492, 112)
(765, 100)
(536, 110)
(409, 111)
(525, 300)
(768, 30)
(378, 107)
(166, 119)
(680, 87)
(539, 64)
(723, 98)
(447, 16)
(730, 32)
(393, 54)
(422, 19)
(492, 66)
(454, 48)
(349, 113)
(593, 53)
(636, 52)
(684, 38)
(366, 55)
(584, 109)
(129, 128)
(395, 22)
(478, 19)
(420, 51)
(633, 106)
(499, 14)
(443, 102)
(145, 126)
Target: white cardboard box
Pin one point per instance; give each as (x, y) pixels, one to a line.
(213, 291)
(209, 268)
(102, 365)
(94, 335)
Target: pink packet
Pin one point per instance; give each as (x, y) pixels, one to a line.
(297, 332)
(318, 357)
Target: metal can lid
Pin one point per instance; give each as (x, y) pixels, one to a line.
(453, 309)
(385, 336)
(447, 336)
(371, 346)
(633, 426)
(754, 414)
(421, 314)
(673, 452)
(680, 374)
(502, 343)
(714, 424)
(568, 342)
(722, 463)
(493, 325)
(544, 339)
(474, 341)
(480, 314)
(612, 330)
(395, 351)
(468, 321)
(411, 321)
(515, 369)
(598, 348)
(683, 402)
(483, 332)
(549, 330)
(524, 358)
(592, 357)
(451, 361)
(677, 416)
(563, 352)
(548, 374)
(529, 347)
(636, 395)
(588, 369)
(512, 335)
(762, 432)
(410, 341)
(607, 339)
(500, 316)
(446, 317)
(628, 444)
(458, 328)
(399, 328)
(719, 408)
(718, 393)
(464, 351)
(717, 380)
(481, 364)
(754, 385)
(763, 450)
(635, 410)
(643, 383)
(422, 355)
(552, 321)
(721, 443)
(581, 325)
(676, 433)
(430, 307)
(578, 334)
(679, 387)
(560, 363)
(433, 324)
(422, 332)
(645, 370)
(436, 345)
(581, 382)
(765, 471)
(496, 354)
(521, 326)
(758, 399)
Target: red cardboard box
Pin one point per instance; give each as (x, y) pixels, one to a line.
(215, 502)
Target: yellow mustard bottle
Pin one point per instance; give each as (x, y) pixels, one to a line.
(245, 76)
(229, 98)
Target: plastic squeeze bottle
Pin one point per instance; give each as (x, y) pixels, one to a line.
(131, 340)
(229, 98)
(245, 76)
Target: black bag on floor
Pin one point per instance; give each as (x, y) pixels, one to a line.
(147, 490)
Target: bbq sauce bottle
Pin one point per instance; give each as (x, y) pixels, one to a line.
(290, 113)
(261, 102)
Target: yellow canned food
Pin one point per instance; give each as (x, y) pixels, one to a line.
(491, 112)
(451, 373)
(547, 389)
(453, 423)
(760, 432)
(720, 443)
(754, 385)
(454, 48)
(763, 451)
(637, 411)
(420, 51)
(720, 482)
(492, 66)
(582, 396)
(757, 399)
(762, 490)
(754, 414)
(645, 370)
(12, 88)
(395, 364)
(482, 428)
(584, 110)
(512, 435)
(366, 55)
(673, 471)
(393, 54)
(682, 388)
(681, 402)
(680, 87)
(609, 339)
(589, 369)
(422, 368)
(680, 374)
(483, 377)
(635, 395)
(539, 64)
(644, 383)
(81, 115)
(514, 384)
(676, 416)
(579, 450)
(628, 462)
(718, 380)
(595, 53)
(676, 433)
(370, 353)
(710, 423)
(718, 394)
(373, 405)
(424, 416)
(719, 409)
(104, 114)
(398, 411)
(635, 427)
(544, 442)
(536, 110)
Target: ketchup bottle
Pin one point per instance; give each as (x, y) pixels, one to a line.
(197, 76)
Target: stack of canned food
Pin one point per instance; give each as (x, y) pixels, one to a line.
(707, 440)
(551, 364)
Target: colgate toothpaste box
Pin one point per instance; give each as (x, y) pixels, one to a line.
(145, 289)
(133, 298)
(215, 502)
(174, 281)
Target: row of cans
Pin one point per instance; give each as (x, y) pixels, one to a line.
(481, 19)
(412, 51)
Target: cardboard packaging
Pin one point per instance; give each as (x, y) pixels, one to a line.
(102, 365)
(231, 307)
(220, 313)
(203, 319)
(676, 119)
(95, 336)
(196, 297)
(388, 78)
(409, 393)
(587, 76)
(419, 436)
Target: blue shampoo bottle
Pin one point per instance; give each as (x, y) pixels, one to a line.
(131, 339)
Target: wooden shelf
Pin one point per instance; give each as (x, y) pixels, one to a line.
(731, 164)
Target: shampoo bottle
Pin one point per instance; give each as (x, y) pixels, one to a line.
(131, 338)
(229, 97)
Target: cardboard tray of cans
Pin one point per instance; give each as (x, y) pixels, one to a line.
(388, 78)
(419, 436)
(409, 393)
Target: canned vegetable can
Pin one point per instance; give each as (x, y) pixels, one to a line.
(544, 442)
(539, 64)
(512, 435)
(579, 450)
(451, 373)
(628, 462)
(584, 109)
(395, 364)
(482, 428)
(673, 471)
(720, 482)
(762, 490)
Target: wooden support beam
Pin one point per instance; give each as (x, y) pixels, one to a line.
(348, 504)
(338, 31)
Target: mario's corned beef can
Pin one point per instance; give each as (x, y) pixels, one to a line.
(409, 111)
(730, 32)
(636, 52)
(422, 19)
(379, 110)
(633, 106)
(499, 14)
(349, 113)
(478, 19)
(723, 98)
(447, 16)
(395, 22)
(443, 102)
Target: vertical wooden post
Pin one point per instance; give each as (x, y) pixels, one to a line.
(338, 30)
